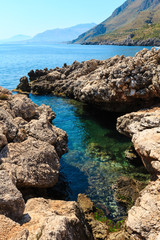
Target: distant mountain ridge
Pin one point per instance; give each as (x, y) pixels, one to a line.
(133, 23)
(16, 38)
(61, 34)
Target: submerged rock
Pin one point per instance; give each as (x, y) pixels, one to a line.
(118, 84)
(127, 191)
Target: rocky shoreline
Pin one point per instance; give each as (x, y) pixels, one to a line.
(118, 84)
(31, 147)
(127, 42)
(30, 150)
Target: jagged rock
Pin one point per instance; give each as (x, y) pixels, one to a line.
(99, 229)
(61, 142)
(4, 91)
(47, 219)
(143, 127)
(47, 110)
(11, 230)
(23, 107)
(32, 163)
(41, 129)
(9, 129)
(11, 201)
(24, 85)
(116, 84)
(144, 218)
(127, 191)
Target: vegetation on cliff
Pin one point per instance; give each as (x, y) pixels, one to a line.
(132, 23)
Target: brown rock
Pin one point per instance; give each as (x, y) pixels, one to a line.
(56, 220)
(116, 84)
(32, 163)
(144, 218)
(99, 229)
(23, 107)
(143, 127)
(10, 230)
(11, 201)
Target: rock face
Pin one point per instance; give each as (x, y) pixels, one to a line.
(11, 201)
(116, 84)
(144, 129)
(30, 145)
(99, 229)
(144, 218)
(56, 220)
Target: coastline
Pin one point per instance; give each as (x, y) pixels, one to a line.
(141, 126)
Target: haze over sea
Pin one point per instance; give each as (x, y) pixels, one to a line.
(96, 150)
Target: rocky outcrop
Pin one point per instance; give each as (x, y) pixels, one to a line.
(126, 42)
(11, 202)
(30, 145)
(143, 128)
(99, 229)
(116, 84)
(30, 149)
(144, 217)
(47, 219)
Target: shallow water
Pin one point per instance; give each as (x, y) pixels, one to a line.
(96, 150)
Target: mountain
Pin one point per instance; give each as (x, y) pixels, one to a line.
(61, 35)
(135, 22)
(16, 38)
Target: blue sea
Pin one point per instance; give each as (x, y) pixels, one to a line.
(96, 156)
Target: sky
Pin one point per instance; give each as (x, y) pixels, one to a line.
(30, 17)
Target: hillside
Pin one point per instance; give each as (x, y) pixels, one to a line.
(135, 22)
(61, 35)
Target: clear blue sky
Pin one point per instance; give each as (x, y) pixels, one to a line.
(30, 17)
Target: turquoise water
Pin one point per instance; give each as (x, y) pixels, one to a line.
(96, 150)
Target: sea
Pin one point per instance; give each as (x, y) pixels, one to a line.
(96, 157)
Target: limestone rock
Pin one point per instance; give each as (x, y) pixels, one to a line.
(24, 85)
(11, 201)
(7, 125)
(41, 129)
(11, 230)
(143, 127)
(56, 220)
(99, 229)
(23, 107)
(144, 218)
(32, 163)
(118, 84)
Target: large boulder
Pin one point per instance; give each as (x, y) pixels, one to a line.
(23, 107)
(11, 201)
(144, 129)
(32, 162)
